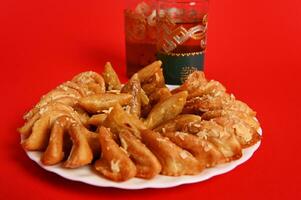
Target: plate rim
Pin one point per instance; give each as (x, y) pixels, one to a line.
(180, 180)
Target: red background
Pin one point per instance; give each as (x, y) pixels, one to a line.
(253, 48)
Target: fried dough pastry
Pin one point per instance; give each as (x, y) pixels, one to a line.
(97, 120)
(118, 120)
(203, 150)
(212, 87)
(166, 110)
(134, 88)
(110, 77)
(245, 133)
(238, 115)
(70, 92)
(159, 95)
(132, 158)
(155, 82)
(56, 123)
(99, 102)
(60, 101)
(150, 74)
(36, 130)
(91, 82)
(83, 144)
(193, 82)
(201, 136)
(183, 122)
(224, 140)
(174, 160)
(67, 93)
(147, 72)
(151, 80)
(212, 102)
(114, 163)
(202, 104)
(146, 162)
(144, 98)
(81, 153)
(223, 101)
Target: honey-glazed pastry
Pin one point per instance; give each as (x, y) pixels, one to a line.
(70, 92)
(114, 162)
(110, 77)
(194, 81)
(223, 139)
(83, 144)
(155, 82)
(147, 72)
(210, 88)
(246, 134)
(151, 79)
(118, 120)
(134, 88)
(174, 160)
(247, 118)
(147, 75)
(183, 122)
(99, 102)
(203, 150)
(202, 104)
(91, 82)
(57, 115)
(143, 97)
(146, 162)
(36, 130)
(220, 144)
(55, 150)
(97, 120)
(81, 153)
(64, 93)
(214, 134)
(166, 110)
(239, 106)
(159, 94)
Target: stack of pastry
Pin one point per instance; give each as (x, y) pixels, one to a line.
(139, 129)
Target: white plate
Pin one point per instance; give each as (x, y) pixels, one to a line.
(87, 175)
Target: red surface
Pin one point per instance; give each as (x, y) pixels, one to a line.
(254, 49)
